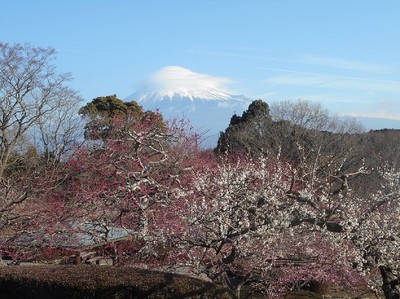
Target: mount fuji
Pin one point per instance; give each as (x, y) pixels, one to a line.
(202, 99)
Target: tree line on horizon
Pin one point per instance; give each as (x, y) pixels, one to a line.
(291, 196)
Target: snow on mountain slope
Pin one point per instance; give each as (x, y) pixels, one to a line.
(173, 82)
(200, 98)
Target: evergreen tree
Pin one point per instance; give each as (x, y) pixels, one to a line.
(104, 112)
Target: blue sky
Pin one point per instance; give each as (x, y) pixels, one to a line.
(343, 54)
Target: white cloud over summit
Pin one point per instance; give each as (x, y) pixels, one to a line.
(202, 99)
(176, 78)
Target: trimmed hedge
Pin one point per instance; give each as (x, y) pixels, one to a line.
(66, 281)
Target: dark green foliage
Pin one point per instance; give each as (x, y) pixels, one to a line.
(23, 161)
(110, 106)
(247, 132)
(102, 112)
(257, 110)
(338, 153)
(256, 133)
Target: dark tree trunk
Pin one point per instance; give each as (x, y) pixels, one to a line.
(390, 283)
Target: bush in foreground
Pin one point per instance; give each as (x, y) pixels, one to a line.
(101, 282)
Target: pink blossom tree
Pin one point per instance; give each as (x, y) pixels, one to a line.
(123, 179)
(262, 222)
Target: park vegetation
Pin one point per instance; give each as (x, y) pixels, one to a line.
(291, 197)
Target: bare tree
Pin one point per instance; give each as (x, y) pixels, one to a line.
(30, 91)
(312, 116)
(58, 133)
(321, 135)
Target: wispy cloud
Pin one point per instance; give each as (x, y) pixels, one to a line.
(304, 59)
(87, 52)
(289, 71)
(202, 51)
(335, 82)
(382, 114)
(333, 100)
(387, 102)
(344, 64)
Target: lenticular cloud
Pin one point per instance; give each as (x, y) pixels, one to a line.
(177, 77)
(174, 80)
(202, 99)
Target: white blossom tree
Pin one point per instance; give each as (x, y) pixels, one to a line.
(276, 227)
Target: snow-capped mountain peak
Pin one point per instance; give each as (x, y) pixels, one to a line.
(174, 82)
(202, 99)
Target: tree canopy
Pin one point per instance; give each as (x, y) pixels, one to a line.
(109, 107)
(291, 195)
(30, 91)
(103, 113)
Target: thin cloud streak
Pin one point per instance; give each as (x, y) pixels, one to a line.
(87, 52)
(335, 82)
(344, 64)
(381, 114)
(225, 54)
(306, 59)
(330, 99)
(289, 71)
